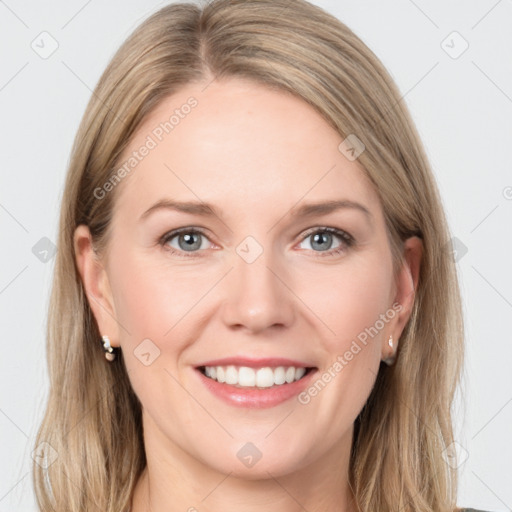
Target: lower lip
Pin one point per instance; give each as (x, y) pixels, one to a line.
(256, 398)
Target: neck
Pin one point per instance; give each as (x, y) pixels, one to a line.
(175, 477)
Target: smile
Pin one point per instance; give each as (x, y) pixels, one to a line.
(255, 387)
(247, 377)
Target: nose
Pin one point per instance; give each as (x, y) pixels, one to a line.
(258, 295)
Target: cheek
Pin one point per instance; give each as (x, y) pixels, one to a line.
(352, 304)
(150, 299)
(349, 299)
(153, 295)
(153, 305)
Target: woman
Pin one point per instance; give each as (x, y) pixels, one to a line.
(205, 351)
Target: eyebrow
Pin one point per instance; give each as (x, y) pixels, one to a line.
(306, 210)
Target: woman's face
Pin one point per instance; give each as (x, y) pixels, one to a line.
(257, 282)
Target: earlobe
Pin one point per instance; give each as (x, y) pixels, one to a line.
(96, 283)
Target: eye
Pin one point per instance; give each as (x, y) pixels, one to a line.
(185, 240)
(188, 242)
(322, 241)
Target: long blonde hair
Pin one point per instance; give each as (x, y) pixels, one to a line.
(92, 425)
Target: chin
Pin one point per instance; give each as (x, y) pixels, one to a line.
(250, 463)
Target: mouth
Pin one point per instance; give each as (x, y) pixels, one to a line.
(255, 378)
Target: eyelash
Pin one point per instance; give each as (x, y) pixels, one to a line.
(347, 241)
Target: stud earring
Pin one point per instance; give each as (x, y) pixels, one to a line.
(110, 352)
(391, 359)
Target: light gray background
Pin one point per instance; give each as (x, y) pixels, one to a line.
(463, 110)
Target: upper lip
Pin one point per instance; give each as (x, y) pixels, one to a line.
(272, 362)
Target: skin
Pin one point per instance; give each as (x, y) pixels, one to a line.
(243, 148)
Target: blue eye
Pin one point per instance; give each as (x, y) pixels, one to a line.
(188, 242)
(322, 239)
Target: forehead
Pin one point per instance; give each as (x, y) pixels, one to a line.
(238, 143)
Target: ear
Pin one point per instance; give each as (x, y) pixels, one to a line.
(406, 285)
(96, 284)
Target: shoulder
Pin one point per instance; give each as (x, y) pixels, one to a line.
(470, 510)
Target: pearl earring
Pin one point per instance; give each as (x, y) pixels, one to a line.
(110, 354)
(391, 359)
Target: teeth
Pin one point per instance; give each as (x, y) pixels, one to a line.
(246, 377)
